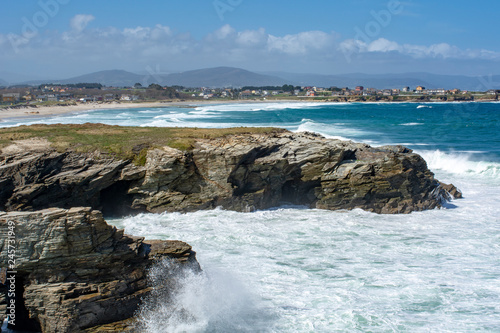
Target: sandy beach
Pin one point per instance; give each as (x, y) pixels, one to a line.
(37, 111)
(41, 111)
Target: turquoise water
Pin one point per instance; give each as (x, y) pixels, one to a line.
(293, 269)
(457, 127)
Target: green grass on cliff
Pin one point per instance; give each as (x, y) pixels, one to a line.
(124, 142)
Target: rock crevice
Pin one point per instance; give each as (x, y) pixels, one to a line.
(238, 172)
(74, 271)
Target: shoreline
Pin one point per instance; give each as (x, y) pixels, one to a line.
(47, 111)
(32, 111)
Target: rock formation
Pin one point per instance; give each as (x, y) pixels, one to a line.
(75, 272)
(237, 172)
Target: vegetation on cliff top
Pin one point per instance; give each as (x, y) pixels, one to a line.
(126, 142)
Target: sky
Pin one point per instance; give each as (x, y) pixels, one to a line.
(64, 38)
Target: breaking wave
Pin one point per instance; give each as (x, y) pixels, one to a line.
(460, 164)
(185, 300)
(262, 106)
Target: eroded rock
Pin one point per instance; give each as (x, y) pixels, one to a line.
(237, 172)
(74, 271)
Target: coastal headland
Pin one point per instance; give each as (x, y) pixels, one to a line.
(49, 172)
(123, 170)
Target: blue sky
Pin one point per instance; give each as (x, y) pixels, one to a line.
(63, 38)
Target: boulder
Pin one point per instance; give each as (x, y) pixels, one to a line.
(452, 190)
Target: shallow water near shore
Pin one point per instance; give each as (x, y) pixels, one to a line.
(292, 269)
(295, 269)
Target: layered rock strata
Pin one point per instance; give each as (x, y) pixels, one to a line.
(75, 272)
(237, 172)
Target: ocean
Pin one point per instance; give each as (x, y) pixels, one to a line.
(293, 269)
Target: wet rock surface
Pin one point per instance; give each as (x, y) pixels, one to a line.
(76, 272)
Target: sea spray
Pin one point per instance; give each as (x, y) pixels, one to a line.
(188, 300)
(461, 163)
(343, 271)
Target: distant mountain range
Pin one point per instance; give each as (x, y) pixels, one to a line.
(210, 77)
(222, 77)
(237, 77)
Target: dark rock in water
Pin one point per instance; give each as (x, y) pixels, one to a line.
(75, 272)
(452, 190)
(238, 172)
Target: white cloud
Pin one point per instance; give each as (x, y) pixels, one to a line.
(383, 45)
(80, 22)
(441, 50)
(301, 43)
(139, 47)
(158, 32)
(249, 38)
(224, 32)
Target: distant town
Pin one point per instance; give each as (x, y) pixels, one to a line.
(57, 94)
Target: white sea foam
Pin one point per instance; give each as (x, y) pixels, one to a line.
(204, 112)
(323, 271)
(334, 131)
(411, 124)
(178, 115)
(124, 115)
(151, 111)
(460, 164)
(262, 106)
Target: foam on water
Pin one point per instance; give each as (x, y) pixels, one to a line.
(460, 164)
(261, 106)
(333, 131)
(411, 124)
(151, 111)
(323, 271)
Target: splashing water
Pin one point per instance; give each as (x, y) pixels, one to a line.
(185, 300)
(460, 164)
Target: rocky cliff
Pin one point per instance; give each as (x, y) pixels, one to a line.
(238, 172)
(75, 272)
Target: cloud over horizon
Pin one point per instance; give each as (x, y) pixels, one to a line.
(314, 51)
(443, 50)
